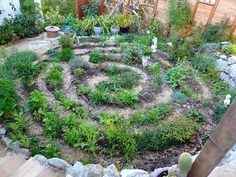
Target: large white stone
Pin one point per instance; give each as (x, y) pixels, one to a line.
(232, 71)
(232, 83)
(232, 60)
(224, 76)
(94, 170)
(224, 57)
(134, 173)
(76, 170)
(59, 163)
(221, 65)
(111, 171)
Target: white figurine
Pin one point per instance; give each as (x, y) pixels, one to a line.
(227, 100)
(154, 45)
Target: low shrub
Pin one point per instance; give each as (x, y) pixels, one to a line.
(54, 78)
(220, 89)
(79, 72)
(50, 150)
(219, 110)
(127, 97)
(77, 62)
(155, 68)
(179, 97)
(188, 91)
(6, 32)
(66, 41)
(203, 62)
(9, 98)
(97, 57)
(100, 96)
(132, 54)
(196, 115)
(230, 49)
(66, 54)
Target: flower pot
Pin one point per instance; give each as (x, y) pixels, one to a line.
(161, 172)
(78, 32)
(124, 30)
(97, 30)
(52, 31)
(115, 30)
(67, 29)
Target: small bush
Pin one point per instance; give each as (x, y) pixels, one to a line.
(219, 110)
(54, 78)
(220, 89)
(66, 42)
(203, 62)
(97, 57)
(79, 72)
(100, 96)
(179, 97)
(66, 54)
(155, 68)
(83, 90)
(230, 49)
(78, 62)
(157, 80)
(128, 97)
(196, 116)
(9, 98)
(188, 91)
(50, 150)
(132, 54)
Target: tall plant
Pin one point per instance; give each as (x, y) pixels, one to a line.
(179, 14)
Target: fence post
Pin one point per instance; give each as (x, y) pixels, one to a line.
(155, 9)
(195, 9)
(219, 143)
(233, 27)
(213, 11)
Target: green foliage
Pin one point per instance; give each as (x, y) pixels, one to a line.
(52, 125)
(83, 90)
(77, 62)
(66, 41)
(97, 57)
(54, 78)
(37, 104)
(6, 32)
(66, 54)
(179, 97)
(168, 133)
(79, 72)
(132, 54)
(50, 150)
(99, 96)
(177, 75)
(203, 62)
(230, 49)
(157, 80)
(179, 14)
(120, 138)
(152, 115)
(196, 116)
(91, 9)
(219, 110)
(217, 32)
(188, 91)
(185, 163)
(9, 98)
(128, 97)
(53, 17)
(84, 136)
(155, 68)
(220, 89)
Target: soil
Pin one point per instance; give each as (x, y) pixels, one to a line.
(148, 95)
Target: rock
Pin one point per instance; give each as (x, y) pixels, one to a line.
(59, 163)
(15, 146)
(232, 83)
(134, 173)
(6, 140)
(224, 76)
(232, 71)
(221, 65)
(94, 170)
(76, 170)
(111, 171)
(41, 159)
(224, 57)
(232, 60)
(24, 152)
(3, 131)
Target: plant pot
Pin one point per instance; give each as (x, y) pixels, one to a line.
(115, 30)
(124, 30)
(98, 30)
(67, 29)
(78, 32)
(52, 31)
(161, 172)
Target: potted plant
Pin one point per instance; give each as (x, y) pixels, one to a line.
(98, 24)
(78, 27)
(125, 21)
(86, 27)
(114, 22)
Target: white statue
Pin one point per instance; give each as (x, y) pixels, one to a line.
(154, 45)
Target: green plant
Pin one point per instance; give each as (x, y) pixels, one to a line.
(91, 9)
(54, 78)
(79, 72)
(97, 57)
(179, 14)
(196, 115)
(179, 97)
(6, 32)
(53, 17)
(220, 89)
(9, 98)
(120, 138)
(230, 49)
(155, 68)
(203, 62)
(219, 110)
(176, 75)
(132, 54)
(188, 91)
(51, 150)
(128, 97)
(66, 41)
(37, 103)
(52, 125)
(84, 90)
(125, 20)
(157, 80)
(99, 96)
(78, 62)
(66, 54)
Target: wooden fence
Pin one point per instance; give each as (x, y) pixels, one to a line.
(203, 11)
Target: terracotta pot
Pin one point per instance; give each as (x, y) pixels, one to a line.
(52, 31)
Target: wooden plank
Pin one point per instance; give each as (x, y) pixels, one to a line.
(219, 143)
(233, 27)
(213, 11)
(195, 9)
(155, 9)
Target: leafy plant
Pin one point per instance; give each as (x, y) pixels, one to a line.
(51, 150)
(128, 97)
(220, 89)
(196, 116)
(9, 98)
(66, 54)
(125, 20)
(99, 96)
(179, 97)
(54, 78)
(219, 110)
(79, 72)
(54, 17)
(6, 32)
(84, 90)
(97, 57)
(230, 49)
(37, 103)
(91, 9)
(203, 62)
(132, 54)
(66, 41)
(155, 68)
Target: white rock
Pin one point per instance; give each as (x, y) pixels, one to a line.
(41, 159)
(232, 83)
(224, 57)
(232, 71)
(76, 170)
(224, 76)
(221, 65)
(134, 173)
(59, 163)
(94, 170)
(111, 171)
(232, 60)
(3, 131)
